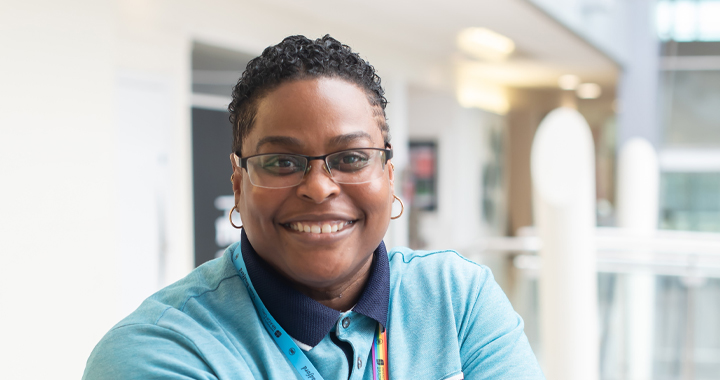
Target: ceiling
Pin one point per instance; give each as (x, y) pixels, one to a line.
(544, 48)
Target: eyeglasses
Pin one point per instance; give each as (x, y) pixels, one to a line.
(281, 170)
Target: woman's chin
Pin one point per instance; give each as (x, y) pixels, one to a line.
(319, 278)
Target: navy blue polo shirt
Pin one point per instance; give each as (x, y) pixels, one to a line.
(446, 318)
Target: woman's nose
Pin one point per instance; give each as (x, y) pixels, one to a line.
(317, 184)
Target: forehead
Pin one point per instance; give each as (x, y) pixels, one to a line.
(314, 114)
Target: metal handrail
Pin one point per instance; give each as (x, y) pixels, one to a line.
(663, 252)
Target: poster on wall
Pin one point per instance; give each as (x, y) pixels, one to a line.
(492, 195)
(423, 170)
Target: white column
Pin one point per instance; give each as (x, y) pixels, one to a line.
(637, 211)
(141, 168)
(397, 113)
(563, 175)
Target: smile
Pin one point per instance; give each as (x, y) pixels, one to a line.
(318, 227)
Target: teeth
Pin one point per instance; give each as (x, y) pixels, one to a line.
(325, 228)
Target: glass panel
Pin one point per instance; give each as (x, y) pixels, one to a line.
(690, 201)
(686, 333)
(688, 20)
(691, 108)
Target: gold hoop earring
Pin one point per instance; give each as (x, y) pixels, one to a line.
(402, 207)
(232, 178)
(230, 216)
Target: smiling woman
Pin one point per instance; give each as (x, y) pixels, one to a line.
(311, 291)
(313, 117)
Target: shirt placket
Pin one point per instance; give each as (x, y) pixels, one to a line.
(357, 330)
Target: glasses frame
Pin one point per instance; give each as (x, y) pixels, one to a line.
(242, 161)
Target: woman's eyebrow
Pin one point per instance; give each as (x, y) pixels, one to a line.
(279, 140)
(349, 137)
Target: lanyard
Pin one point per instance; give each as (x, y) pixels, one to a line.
(288, 347)
(379, 354)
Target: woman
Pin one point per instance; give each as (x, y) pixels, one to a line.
(310, 291)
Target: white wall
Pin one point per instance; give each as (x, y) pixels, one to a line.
(436, 116)
(142, 162)
(58, 283)
(397, 112)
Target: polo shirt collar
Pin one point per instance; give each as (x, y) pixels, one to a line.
(305, 319)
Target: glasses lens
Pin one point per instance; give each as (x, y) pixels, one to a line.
(276, 170)
(357, 165)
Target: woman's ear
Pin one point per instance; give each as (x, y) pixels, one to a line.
(391, 172)
(236, 177)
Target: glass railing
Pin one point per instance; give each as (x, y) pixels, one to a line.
(683, 273)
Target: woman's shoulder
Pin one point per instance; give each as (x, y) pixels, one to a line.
(173, 327)
(441, 262)
(422, 273)
(462, 313)
(200, 285)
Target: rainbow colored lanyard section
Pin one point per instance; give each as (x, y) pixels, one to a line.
(379, 355)
(288, 347)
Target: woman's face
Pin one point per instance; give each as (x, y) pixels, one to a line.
(315, 117)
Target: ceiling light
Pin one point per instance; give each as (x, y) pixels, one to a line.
(484, 96)
(589, 91)
(474, 90)
(485, 44)
(568, 82)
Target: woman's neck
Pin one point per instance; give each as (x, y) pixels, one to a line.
(343, 296)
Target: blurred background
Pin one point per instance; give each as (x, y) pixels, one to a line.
(114, 144)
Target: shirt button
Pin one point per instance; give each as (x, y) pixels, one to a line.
(359, 363)
(346, 322)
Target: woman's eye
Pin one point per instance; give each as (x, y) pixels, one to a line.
(350, 161)
(282, 164)
(286, 163)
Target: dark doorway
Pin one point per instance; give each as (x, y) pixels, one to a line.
(215, 71)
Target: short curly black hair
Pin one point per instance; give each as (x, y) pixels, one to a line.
(295, 58)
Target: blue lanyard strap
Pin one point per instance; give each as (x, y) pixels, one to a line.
(288, 347)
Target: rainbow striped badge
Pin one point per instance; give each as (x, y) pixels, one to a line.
(379, 355)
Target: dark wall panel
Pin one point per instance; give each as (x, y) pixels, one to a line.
(212, 191)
